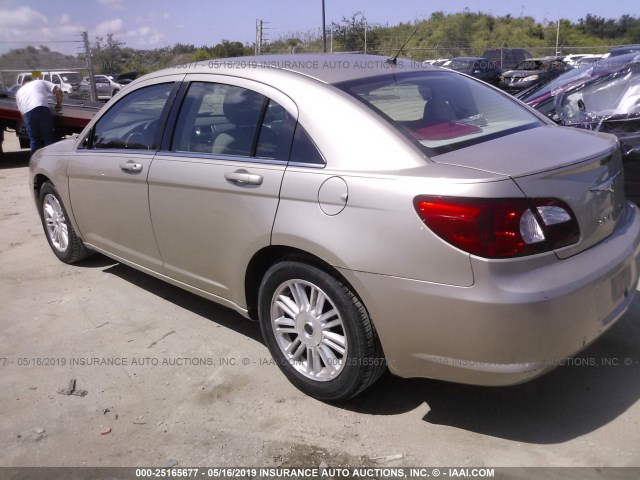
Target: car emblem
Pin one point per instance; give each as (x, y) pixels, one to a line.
(608, 185)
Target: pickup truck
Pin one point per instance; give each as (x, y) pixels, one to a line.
(72, 118)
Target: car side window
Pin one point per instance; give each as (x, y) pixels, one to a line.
(276, 133)
(217, 118)
(132, 123)
(303, 150)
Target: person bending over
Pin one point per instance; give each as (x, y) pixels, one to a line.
(33, 103)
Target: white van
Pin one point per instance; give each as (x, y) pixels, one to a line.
(67, 81)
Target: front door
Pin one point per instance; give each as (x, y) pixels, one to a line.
(108, 177)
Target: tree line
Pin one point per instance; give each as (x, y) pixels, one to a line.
(437, 35)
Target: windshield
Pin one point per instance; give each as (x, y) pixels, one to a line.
(557, 83)
(459, 65)
(606, 96)
(442, 111)
(71, 77)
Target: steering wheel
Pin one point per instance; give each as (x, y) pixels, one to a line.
(142, 136)
(134, 139)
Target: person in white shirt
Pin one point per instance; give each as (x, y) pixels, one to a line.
(33, 103)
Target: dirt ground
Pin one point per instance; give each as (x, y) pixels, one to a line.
(180, 380)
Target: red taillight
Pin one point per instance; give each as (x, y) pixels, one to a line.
(499, 227)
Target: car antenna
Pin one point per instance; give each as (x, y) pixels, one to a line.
(394, 59)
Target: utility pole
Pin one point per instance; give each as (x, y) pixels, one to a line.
(365, 38)
(87, 56)
(557, 38)
(259, 23)
(324, 31)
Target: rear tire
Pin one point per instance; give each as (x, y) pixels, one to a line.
(318, 331)
(64, 242)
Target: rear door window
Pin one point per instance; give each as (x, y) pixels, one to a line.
(222, 119)
(304, 151)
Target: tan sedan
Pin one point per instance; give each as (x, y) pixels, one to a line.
(369, 213)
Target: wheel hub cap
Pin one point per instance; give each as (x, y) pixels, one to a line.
(55, 222)
(309, 330)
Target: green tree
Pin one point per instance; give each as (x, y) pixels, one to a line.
(293, 43)
(201, 55)
(350, 33)
(228, 49)
(107, 54)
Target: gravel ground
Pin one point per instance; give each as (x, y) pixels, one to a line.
(174, 379)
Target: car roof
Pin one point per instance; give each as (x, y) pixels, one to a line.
(542, 59)
(469, 58)
(327, 68)
(625, 48)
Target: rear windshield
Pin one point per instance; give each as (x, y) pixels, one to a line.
(442, 111)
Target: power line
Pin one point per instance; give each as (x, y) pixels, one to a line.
(44, 43)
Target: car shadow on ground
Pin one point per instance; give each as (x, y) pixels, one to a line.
(198, 305)
(591, 390)
(573, 400)
(14, 159)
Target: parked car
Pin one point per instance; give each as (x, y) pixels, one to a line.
(572, 59)
(125, 78)
(506, 58)
(531, 72)
(587, 59)
(542, 95)
(437, 62)
(67, 81)
(106, 87)
(478, 67)
(622, 50)
(389, 216)
(603, 97)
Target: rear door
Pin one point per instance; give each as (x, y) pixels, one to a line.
(214, 189)
(108, 174)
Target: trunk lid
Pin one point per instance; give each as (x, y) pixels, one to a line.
(581, 168)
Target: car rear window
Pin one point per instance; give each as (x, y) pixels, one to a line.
(442, 111)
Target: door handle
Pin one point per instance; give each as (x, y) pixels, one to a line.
(131, 167)
(243, 177)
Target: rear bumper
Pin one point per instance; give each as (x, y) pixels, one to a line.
(517, 321)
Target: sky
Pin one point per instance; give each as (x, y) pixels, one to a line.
(148, 24)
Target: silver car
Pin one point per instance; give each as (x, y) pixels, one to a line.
(106, 87)
(369, 213)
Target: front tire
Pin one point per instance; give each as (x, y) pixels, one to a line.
(64, 242)
(318, 331)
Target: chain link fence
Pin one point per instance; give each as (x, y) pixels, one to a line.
(82, 90)
(450, 51)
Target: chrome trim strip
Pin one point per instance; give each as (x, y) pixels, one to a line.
(229, 158)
